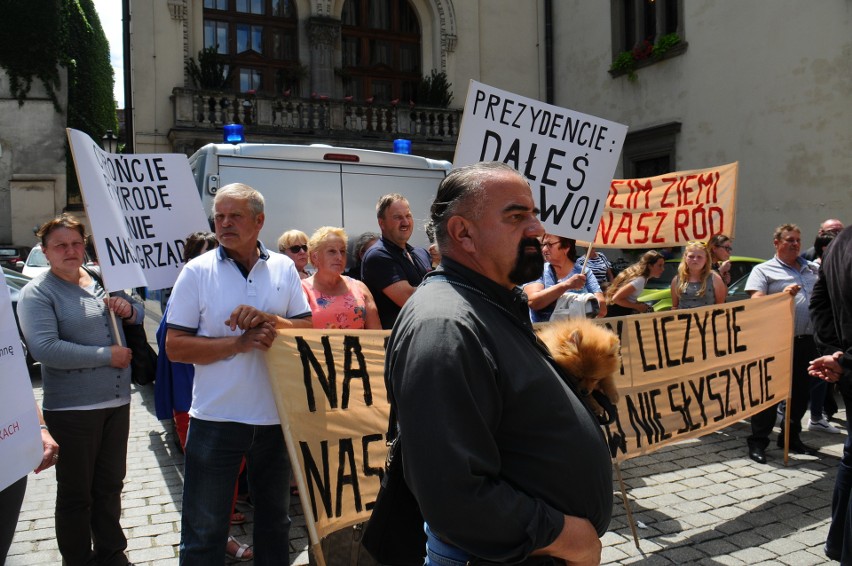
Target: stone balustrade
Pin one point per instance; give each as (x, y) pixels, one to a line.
(212, 109)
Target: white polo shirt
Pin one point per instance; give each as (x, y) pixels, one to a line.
(207, 290)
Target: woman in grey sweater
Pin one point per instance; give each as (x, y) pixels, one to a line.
(64, 314)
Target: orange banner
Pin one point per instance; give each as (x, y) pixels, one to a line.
(669, 210)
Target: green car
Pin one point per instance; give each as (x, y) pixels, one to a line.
(658, 292)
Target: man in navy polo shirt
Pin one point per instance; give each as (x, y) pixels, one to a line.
(392, 269)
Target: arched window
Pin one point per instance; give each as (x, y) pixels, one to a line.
(257, 39)
(381, 49)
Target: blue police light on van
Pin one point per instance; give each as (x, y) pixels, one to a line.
(234, 133)
(402, 146)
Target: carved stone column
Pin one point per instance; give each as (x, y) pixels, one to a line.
(323, 34)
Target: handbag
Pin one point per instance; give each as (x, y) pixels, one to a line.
(576, 305)
(143, 363)
(394, 533)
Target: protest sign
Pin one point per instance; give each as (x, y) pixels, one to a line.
(141, 208)
(670, 209)
(20, 436)
(568, 157)
(330, 392)
(685, 374)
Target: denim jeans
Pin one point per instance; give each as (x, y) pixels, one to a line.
(838, 544)
(440, 553)
(214, 451)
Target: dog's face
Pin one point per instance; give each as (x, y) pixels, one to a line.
(587, 351)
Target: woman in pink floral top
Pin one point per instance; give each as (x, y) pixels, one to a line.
(336, 301)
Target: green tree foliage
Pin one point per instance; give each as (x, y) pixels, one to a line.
(31, 45)
(434, 90)
(39, 36)
(209, 72)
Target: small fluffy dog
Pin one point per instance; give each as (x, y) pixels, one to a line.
(588, 352)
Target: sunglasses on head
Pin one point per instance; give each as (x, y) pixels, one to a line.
(296, 249)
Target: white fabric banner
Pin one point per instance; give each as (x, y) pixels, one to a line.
(568, 157)
(20, 437)
(141, 208)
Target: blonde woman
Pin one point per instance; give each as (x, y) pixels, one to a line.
(337, 301)
(294, 244)
(696, 284)
(622, 295)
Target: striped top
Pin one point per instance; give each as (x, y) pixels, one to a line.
(67, 329)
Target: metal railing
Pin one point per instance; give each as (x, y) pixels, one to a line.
(212, 109)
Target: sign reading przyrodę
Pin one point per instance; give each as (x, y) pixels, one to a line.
(568, 157)
(141, 208)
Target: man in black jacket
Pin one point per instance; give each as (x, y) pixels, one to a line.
(506, 462)
(831, 313)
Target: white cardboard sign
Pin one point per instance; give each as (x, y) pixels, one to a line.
(141, 208)
(568, 157)
(20, 437)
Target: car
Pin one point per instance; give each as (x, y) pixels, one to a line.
(658, 292)
(736, 290)
(16, 281)
(11, 256)
(36, 262)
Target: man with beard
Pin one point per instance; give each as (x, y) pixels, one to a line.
(504, 459)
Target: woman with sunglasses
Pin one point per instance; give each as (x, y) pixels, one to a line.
(294, 244)
(720, 247)
(696, 284)
(561, 274)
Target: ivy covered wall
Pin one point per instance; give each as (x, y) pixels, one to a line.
(39, 36)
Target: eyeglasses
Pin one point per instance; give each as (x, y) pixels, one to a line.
(296, 249)
(550, 244)
(728, 249)
(697, 243)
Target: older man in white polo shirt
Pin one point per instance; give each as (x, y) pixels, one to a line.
(223, 312)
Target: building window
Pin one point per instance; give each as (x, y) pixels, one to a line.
(257, 38)
(216, 35)
(637, 21)
(380, 42)
(251, 79)
(651, 151)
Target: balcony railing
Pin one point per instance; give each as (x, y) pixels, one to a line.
(212, 109)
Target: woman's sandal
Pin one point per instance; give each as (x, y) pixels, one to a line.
(238, 518)
(243, 553)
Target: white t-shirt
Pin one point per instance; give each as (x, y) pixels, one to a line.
(207, 290)
(638, 285)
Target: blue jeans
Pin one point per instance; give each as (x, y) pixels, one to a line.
(214, 451)
(440, 553)
(838, 544)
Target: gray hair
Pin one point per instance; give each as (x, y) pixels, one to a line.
(240, 191)
(461, 194)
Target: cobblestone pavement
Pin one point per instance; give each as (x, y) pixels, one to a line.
(700, 502)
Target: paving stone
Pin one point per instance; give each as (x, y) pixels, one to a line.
(702, 502)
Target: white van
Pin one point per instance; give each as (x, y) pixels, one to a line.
(308, 186)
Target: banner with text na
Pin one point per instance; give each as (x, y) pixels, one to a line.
(141, 208)
(330, 392)
(568, 157)
(670, 209)
(687, 373)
